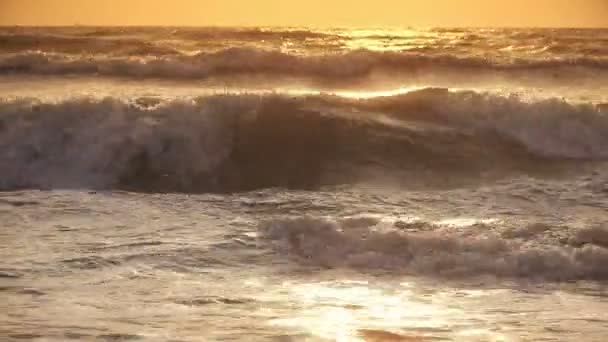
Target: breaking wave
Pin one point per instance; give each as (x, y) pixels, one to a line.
(423, 248)
(242, 142)
(338, 66)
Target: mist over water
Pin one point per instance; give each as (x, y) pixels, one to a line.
(188, 184)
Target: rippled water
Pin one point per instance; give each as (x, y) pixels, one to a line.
(114, 265)
(182, 184)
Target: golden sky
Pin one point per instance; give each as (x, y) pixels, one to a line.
(570, 13)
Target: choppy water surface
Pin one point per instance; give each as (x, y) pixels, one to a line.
(181, 184)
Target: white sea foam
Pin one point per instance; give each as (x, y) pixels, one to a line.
(437, 252)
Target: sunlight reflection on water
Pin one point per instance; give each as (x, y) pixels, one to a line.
(342, 310)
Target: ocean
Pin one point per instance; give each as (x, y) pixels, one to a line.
(298, 184)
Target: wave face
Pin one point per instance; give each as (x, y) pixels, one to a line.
(423, 248)
(241, 142)
(339, 66)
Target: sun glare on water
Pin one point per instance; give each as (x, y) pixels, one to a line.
(348, 311)
(358, 311)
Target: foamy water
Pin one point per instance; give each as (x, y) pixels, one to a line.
(183, 184)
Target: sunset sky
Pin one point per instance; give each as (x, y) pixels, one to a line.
(570, 13)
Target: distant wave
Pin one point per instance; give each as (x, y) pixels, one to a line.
(422, 248)
(53, 43)
(241, 142)
(354, 64)
(259, 33)
(139, 41)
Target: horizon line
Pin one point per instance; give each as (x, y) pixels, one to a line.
(305, 26)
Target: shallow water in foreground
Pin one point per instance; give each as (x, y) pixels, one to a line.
(459, 264)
